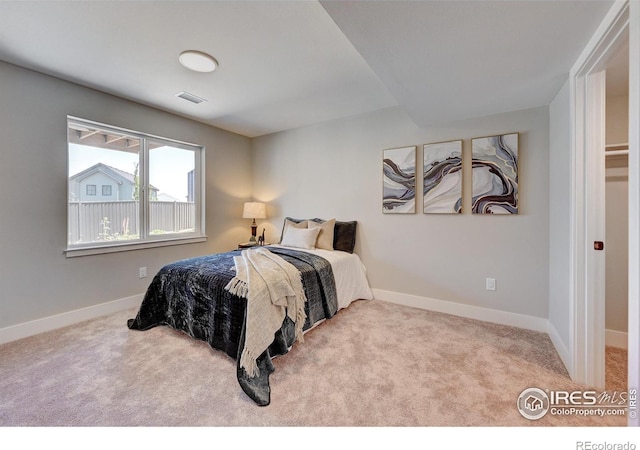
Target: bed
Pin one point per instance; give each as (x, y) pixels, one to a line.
(198, 296)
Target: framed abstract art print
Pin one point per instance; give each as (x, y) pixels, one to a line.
(442, 178)
(399, 180)
(494, 161)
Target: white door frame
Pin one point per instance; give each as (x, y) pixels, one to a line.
(587, 184)
(633, 383)
(593, 308)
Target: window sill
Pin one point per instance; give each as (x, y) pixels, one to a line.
(97, 250)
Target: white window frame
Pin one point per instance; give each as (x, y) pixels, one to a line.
(147, 240)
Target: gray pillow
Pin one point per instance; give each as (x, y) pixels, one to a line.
(344, 236)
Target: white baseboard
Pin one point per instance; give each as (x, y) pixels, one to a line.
(15, 332)
(462, 310)
(616, 338)
(561, 348)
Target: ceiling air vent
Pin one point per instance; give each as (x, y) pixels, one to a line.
(190, 97)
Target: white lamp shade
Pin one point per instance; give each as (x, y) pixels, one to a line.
(254, 210)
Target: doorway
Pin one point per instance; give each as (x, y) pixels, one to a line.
(587, 293)
(617, 219)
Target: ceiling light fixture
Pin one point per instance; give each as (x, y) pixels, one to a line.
(197, 61)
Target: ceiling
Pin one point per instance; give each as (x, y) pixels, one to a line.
(287, 64)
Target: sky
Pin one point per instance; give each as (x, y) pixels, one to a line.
(168, 166)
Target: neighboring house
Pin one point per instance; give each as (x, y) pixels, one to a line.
(102, 183)
(162, 197)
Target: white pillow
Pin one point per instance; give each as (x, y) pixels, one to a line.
(325, 238)
(300, 237)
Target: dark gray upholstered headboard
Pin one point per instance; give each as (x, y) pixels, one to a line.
(344, 233)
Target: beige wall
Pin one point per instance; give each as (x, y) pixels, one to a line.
(36, 278)
(617, 120)
(335, 170)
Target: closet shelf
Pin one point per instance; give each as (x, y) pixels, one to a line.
(616, 149)
(620, 146)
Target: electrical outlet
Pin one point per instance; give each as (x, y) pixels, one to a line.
(142, 272)
(491, 284)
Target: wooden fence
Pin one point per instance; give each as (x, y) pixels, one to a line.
(100, 221)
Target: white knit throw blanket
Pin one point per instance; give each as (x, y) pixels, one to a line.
(273, 288)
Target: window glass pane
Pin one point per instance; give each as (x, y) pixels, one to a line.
(172, 207)
(109, 159)
(126, 187)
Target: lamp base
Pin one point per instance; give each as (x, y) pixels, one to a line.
(254, 231)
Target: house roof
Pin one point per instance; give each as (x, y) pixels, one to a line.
(118, 175)
(284, 65)
(162, 197)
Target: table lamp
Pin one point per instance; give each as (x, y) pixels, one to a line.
(254, 210)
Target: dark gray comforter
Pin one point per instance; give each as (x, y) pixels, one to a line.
(189, 296)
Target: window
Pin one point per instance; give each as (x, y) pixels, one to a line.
(151, 189)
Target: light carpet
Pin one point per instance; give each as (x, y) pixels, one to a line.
(616, 369)
(373, 364)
